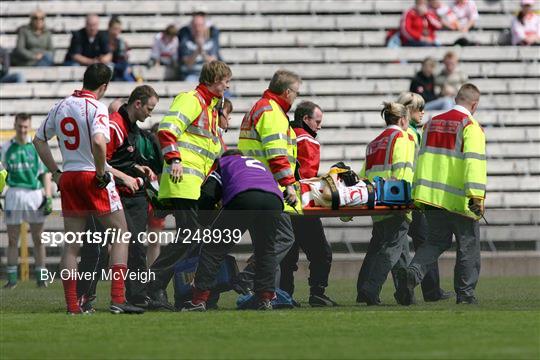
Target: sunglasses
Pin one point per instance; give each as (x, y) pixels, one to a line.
(38, 17)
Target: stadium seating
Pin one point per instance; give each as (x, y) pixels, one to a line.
(338, 48)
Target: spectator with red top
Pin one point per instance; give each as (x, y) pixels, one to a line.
(526, 26)
(418, 26)
(308, 232)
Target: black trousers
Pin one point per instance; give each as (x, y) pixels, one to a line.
(136, 211)
(256, 211)
(94, 257)
(186, 217)
(309, 236)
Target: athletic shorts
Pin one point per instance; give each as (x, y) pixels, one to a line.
(81, 196)
(22, 206)
(153, 221)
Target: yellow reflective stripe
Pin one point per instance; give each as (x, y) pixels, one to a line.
(249, 134)
(195, 172)
(472, 155)
(400, 165)
(292, 159)
(439, 186)
(202, 132)
(170, 127)
(283, 173)
(197, 149)
(274, 152)
(387, 160)
(168, 149)
(475, 186)
(177, 114)
(190, 171)
(452, 153)
(273, 137)
(256, 153)
(260, 111)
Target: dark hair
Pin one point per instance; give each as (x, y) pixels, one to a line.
(96, 75)
(232, 152)
(303, 109)
(143, 93)
(114, 20)
(22, 116)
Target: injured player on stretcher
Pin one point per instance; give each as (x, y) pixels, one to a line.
(341, 187)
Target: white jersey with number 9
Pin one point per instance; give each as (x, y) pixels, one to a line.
(74, 121)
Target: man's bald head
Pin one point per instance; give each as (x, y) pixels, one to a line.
(92, 25)
(468, 96)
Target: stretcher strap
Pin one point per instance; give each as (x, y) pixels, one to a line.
(333, 190)
(371, 194)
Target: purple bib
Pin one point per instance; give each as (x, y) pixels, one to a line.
(242, 173)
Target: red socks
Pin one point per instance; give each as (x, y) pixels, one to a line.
(70, 294)
(200, 296)
(117, 284)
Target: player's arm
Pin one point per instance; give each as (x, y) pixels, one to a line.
(47, 184)
(99, 151)
(45, 154)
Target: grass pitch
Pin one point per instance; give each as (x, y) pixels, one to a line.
(506, 325)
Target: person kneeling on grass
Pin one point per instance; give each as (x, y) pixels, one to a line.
(251, 201)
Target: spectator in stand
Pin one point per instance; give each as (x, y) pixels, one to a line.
(418, 26)
(5, 75)
(34, 43)
(466, 13)
(198, 44)
(165, 52)
(451, 78)
(120, 52)
(423, 83)
(526, 26)
(89, 45)
(445, 14)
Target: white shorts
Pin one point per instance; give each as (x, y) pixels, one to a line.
(22, 205)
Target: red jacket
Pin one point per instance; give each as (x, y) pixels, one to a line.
(309, 153)
(414, 26)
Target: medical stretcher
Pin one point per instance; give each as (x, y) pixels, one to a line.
(388, 197)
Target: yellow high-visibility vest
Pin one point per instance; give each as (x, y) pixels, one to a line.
(451, 165)
(265, 133)
(390, 155)
(194, 124)
(3, 176)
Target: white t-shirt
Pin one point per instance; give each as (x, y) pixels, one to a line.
(531, 25)
(164, 52)
(465, 12)
(74, 121)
